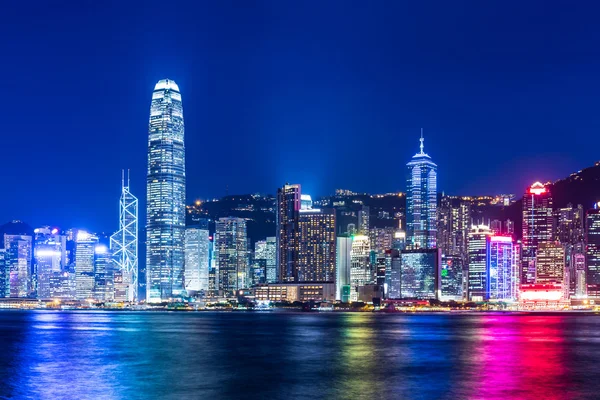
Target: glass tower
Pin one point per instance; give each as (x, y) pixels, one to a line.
(165, 226)
(421, 201)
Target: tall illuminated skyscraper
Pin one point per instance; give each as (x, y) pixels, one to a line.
(316, 246)
(288, 208)
(165, 226)
(592, 242)
(231, 242)
(124, 242)
(85, 245)
(538, 224)
(421, 201)
(479, 238)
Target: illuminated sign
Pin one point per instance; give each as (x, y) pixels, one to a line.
(537, 188)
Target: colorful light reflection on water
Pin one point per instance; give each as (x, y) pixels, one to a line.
(50, 355)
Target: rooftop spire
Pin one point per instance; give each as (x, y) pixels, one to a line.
(422, 140)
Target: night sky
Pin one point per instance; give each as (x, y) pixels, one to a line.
(326, 94)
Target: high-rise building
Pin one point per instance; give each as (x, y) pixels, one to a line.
(420, 274)
(393, 264)
(124, 242)
(165, 225)
(592, 252)
(364, 220)
(382, 239)
(537, 227)
(196, 260)
(85, 245)
(451, 277)
(501, 271)
(267, 250)
(509, 227)
(421, 201)
(580, 276)
(454, 224)
(343, 266)
(550, 266)
(50, 258)
(478, 251)
(361, 272)
(288, 208)
(232, 249)
(19, 252)
(496, 227)
(4, 275)
(570, 223)
(103, 274)
(316, 246)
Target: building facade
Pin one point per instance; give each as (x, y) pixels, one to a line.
(232, 254)
(316, 246)
(538, 222)
(196, 260)
(592, 252)
(165, 224)
(421, 201)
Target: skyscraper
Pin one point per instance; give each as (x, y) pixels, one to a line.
(361, 272)
(288, 207)
(232, 249)
(50, 258)
(316, 246)
(592, 252)
(454, 224)
(19, 252)
(165, 226)
(500, 271)
(550, 265)
(342, 266)
(196, 259)
(421, 201)
(103, 274)
(85, 245)
(537, 227)
(420, 274)
(124, 242)
(478, 251)
(267, 250)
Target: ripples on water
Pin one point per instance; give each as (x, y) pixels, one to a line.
(123, 355)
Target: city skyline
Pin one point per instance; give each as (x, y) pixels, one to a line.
(346, 83)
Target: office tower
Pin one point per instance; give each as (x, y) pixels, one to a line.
(4, 275)
(393, 263)
(124, 242)
(580, 276)
(306, 202)
(196, 260)
(267, 250)
(399, 241)
(85, 245)
(478, 247)
(50, 257)
(288, 208)
(570, 223)
(343, 266)
(454, 224)
(382, 239)
(165, 223)
(421, 201)
(19, 249)
(451, 277)
(380, 270)
(550, 263)
(360, 265)
(500, 269)
(496, 227)
(420, 274)
(537, 227)
(316, 246)
(363, 220)
(592, 253)
(550, 266)
(103, 274)
(351, 229)
(232, 249)
(509, 227)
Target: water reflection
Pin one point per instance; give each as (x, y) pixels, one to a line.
(91, 355)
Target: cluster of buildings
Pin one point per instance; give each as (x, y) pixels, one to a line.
(443, 252)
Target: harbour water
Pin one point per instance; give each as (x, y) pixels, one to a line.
(279, 355)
